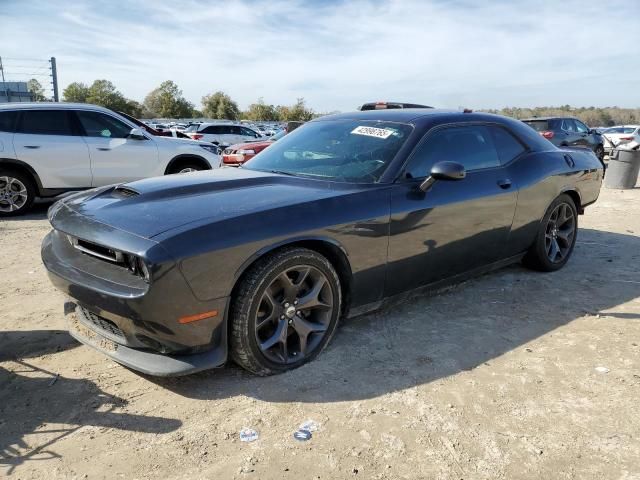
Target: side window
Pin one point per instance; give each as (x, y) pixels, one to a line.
(507, 145)
(247, 132)
(8, 121)
(568, 125)
(471, 145)
(97, 124)
(45, 122)
(581, 127)
(235, 130)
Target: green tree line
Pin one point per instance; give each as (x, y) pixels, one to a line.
(167, 101)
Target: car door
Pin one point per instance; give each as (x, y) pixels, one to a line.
(568, 128)
(583, 137)
(115, 155)
(455, 226)
(48, 140)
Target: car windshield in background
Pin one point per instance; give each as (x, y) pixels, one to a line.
(538, 125)
(340, 150)
(192, 128)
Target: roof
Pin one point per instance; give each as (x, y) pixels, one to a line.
(56, 105)
(405, 115)
(552, 117)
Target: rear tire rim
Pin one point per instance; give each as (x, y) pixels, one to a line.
(294, 314)
(187, 170)
(13, 194)
(559, 233)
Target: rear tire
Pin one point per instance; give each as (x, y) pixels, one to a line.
(556, 236)
(17, 193)
(285, 311)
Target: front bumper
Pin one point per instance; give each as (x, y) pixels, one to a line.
(133, 322)
(145, 361)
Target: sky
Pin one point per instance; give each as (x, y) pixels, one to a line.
(338, 54)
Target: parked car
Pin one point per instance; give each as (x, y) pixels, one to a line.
(618, 135)
(223, 134)
(47, 149)
(567, 131)
(151, 130)
(389, 105)
(339, 216)
(243, 152)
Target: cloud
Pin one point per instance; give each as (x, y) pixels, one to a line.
(340, 54)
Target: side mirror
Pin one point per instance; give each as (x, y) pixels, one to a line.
(443, 171)
(136, 134)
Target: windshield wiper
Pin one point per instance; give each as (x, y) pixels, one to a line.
(281, 172)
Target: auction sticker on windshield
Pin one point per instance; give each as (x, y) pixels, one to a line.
(372, 132)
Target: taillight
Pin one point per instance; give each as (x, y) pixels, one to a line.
(196, 136)
(548, 134)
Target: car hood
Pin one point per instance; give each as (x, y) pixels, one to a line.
(156, 205)
(176, 140)
(247, 145)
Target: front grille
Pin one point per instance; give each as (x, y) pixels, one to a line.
(104, 326)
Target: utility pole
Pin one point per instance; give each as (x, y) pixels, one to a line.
(54, 77)
(6, 88)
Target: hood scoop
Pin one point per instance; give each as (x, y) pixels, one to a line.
(123, 191)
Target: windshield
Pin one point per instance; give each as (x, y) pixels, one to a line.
(192, 128)
(340, 150)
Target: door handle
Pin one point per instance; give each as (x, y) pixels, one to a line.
(32, 146)
(504, 183)
(104, 149)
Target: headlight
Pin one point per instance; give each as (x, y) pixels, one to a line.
(246, 152)
(211, 148)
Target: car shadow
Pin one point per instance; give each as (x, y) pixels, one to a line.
(35, 402)
(430, 338)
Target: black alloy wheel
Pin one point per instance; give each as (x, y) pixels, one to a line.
(556, 236)
(285, 311)
(559, 233)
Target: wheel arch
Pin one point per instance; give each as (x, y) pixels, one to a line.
(186, 158)
(25, 168)
(327, 247)
(575, 196)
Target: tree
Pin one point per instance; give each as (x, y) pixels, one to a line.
(105, 94)
(220, 105)
(167, 101)
(297, 112)
(35, 87)
(75, 92)
(260, 111)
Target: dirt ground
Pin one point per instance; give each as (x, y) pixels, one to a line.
(512, 375)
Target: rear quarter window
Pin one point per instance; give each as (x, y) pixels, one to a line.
(538, 125)
(8, 121)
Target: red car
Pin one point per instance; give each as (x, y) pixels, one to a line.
(241, 152)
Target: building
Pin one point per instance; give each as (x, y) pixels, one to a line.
(15, 92)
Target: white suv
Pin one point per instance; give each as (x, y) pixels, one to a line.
(51, 148)
(223, 134)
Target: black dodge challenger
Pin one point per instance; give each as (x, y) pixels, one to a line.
(171, 275)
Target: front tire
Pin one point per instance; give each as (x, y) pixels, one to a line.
(285, 311)
(556, 236)
(17, 193)
(599, 151)
(186, 168)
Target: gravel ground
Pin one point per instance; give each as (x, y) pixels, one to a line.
(514, 374)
